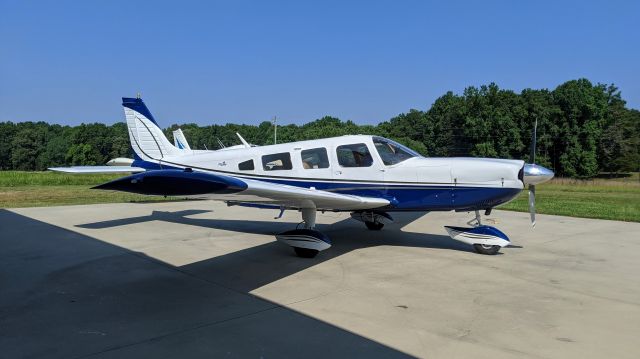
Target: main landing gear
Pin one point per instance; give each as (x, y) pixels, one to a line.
(485, 239)
(374, 220)
(306, 241)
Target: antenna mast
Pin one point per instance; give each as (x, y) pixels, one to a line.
(275, 130)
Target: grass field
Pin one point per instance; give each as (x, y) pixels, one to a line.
(599, 198)
(617, 199)
(37, 189)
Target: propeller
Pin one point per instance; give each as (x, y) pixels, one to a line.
(534, 174)
(532, 204)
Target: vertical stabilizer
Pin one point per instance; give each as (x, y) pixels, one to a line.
(180, 141)
(147, 139)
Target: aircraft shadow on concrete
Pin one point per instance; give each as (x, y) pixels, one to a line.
(257, 266)
(66, 294)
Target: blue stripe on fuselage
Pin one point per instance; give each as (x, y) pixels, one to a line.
(405, 197)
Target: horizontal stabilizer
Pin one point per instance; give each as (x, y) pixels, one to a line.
(98, 169)
(120, 161)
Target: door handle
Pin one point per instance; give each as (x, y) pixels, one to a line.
(338, 172)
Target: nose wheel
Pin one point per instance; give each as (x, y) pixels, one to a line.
(486, 249)
(484, 239)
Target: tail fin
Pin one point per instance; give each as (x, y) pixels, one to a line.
(147, 139)
(180, 141)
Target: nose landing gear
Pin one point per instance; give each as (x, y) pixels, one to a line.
(485, 239)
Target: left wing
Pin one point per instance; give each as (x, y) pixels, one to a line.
(229, 188)
(98, 169)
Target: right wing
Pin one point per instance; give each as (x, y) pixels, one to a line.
(298, 197)
(98, 169)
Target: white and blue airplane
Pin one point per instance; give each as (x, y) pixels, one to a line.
(180, 141)
(369, 176)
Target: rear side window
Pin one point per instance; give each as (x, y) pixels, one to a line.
(277, 162)
(315, 158)
(355, 155)
(246, 166)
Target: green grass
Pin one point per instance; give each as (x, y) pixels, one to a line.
(603, 199)
(617, 199)
(38, 189)
(21, 179)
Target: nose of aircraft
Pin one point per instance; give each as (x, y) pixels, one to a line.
(534, 174)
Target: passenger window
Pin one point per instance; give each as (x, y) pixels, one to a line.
(315, 158)
(277, 162)
(246, 166)
(356, 155)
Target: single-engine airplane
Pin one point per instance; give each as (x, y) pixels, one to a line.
(369, 176)
(180, 141)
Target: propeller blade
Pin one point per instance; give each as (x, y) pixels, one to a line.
(532, 204)
(534, 135)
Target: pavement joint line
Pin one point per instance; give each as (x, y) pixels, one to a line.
(572, 291)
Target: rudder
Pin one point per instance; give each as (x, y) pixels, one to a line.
(147, 139)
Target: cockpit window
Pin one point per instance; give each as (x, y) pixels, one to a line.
(392, 152)
(355, 155)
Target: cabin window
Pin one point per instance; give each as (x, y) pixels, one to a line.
(314, 158)
(246, 166)
(392, 152)
(355, 155)
(277, 162)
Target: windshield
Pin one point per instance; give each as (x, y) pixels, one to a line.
(392, 152)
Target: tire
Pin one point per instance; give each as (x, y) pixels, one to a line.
(305, 252)
(486, 249)
(374, 226)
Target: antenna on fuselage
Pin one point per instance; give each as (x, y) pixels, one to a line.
(220, 144)
(245, 143)
(275, 130)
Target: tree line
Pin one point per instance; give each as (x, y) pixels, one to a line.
(583, 130)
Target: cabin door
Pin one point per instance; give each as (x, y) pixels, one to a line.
(356, 162)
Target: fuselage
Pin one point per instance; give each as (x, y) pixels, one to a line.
(367, 166)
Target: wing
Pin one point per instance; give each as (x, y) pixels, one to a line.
(98, 169)
(298, 197)
(229, 188)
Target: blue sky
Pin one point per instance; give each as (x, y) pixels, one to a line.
(246, 61)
